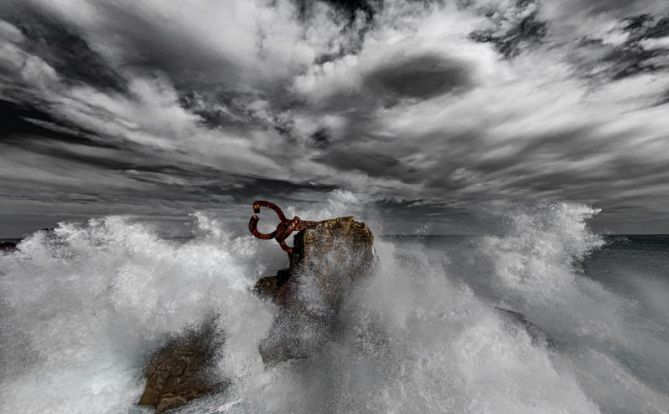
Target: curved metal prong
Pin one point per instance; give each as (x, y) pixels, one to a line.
(253, 223)
(285, 247)
(262, 203)
(283, 229)
(253, 228)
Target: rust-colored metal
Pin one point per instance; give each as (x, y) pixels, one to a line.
(283, 229)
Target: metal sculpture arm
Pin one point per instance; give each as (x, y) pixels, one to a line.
(283, 229)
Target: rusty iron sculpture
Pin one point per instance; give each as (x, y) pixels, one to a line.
(283, 229)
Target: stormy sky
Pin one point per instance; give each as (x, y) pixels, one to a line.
(427, 111)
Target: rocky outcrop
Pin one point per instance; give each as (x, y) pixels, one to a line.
(327, 259)
(180, 371)
(7, 247)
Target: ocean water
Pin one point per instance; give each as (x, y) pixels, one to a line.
(430, 331)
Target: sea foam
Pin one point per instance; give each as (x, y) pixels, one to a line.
(82, 310)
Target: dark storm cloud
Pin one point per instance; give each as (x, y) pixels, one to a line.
(60, 46)
(369, 162)
(429, 111)
(350, 8)
(513, 31)
(576, 9)
(21, 119)
(148, 42)
(419, 77)
(636, 54)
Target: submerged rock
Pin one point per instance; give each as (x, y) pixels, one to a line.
(327, 258)
(180, 371)
(7, 247)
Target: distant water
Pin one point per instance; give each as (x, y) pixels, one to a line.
(82, 309)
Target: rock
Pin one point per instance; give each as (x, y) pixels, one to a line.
(327, 259)
(180, 371)
(269, 286)
(7, 247)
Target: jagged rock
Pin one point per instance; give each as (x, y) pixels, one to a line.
(327, 258)
(269, 286)
(7, 247)
(179, 372)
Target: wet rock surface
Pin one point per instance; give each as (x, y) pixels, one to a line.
(7, 247)
(180, 371)
(327, 259)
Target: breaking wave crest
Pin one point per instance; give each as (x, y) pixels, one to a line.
(84, 308)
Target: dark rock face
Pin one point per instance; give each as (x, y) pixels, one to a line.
(268, 287)
(178, 373)
(7, 247)
(327, 259)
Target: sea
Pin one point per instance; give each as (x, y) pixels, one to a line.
(545, 316)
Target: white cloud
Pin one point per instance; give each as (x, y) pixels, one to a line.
(655, 43)
(27, 68)
(9, 33)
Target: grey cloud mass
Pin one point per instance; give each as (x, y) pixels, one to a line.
(430, 111)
